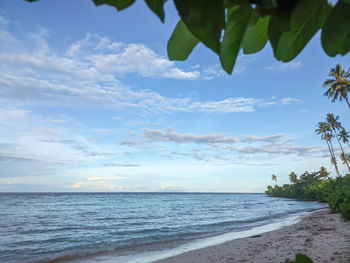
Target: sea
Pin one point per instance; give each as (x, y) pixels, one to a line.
(133, 227)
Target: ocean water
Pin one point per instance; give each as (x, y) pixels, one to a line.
(121, 227)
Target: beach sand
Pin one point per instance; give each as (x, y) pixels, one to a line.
(323, 236)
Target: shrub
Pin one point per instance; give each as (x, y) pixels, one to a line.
(311, 186)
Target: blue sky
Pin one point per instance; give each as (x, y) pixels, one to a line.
(90, 102)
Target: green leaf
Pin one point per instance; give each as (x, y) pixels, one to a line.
(274, 32)
(119, 4)
(300, 258)
(269, 3)
(335, 36)
(181, 42)
(278, 24)
(231, 3)
(306, 19)
(255, 37)
(205, 19)
(237, 22)
(346, 1)
(157, 7)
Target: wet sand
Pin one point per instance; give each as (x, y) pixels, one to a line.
(323, 236)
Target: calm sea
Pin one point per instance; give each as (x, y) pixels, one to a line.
(65, 227)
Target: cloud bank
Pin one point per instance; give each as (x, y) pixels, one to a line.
(90, 72)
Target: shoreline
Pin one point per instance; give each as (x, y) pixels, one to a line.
(323, 236)
(196, 244)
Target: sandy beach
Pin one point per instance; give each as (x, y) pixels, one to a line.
(323, 236)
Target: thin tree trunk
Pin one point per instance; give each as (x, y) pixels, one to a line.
(347, 101)
(333, 157)
(341, 147)
(329, 148)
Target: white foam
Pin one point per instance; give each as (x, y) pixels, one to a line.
(148, 257)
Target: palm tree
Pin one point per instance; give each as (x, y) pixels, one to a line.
(293, 178)
(329, 137)
(338, 85)
(323, 173)
(323, 129)
(274, 177)
(345, 136)
(345, 157)
(333, 123)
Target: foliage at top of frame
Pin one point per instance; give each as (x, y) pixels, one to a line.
(227, 26)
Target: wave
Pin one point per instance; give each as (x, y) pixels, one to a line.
(61, 234)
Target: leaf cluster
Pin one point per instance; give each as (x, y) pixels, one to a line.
(300, 258)
(338, 84)
(229, 26)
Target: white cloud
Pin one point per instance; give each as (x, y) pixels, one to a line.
(216, 70)
(278, 149)
(282, 66)
(226, 106)
(98, 178)
(121, 165)
(242, 64)
(138, 58)
(104, 131)
(170, 135)
(220, 147)
(213, 71)
(31, 144)
(170, 188)
(77, 185)
(95, 185)
(87, 75)
(286, 101)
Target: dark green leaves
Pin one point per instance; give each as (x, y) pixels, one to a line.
(274, 32)
(181, 42)
(237, 22)
(256, 36)
(119, 4)
(157, 7)
(300, 258)
(305, 20)
(205, 19)
(336, 31)
(288, 25)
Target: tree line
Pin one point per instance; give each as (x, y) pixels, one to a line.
(319, 185)
(338, 87)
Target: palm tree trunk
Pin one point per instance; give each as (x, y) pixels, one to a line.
(333, 157)
(341, 147)
(347, 101)
(329, 148)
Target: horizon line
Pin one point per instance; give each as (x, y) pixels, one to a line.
(128, 192)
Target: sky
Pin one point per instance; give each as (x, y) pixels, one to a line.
(90, 102)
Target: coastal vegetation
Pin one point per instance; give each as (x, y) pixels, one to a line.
(319, 185)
